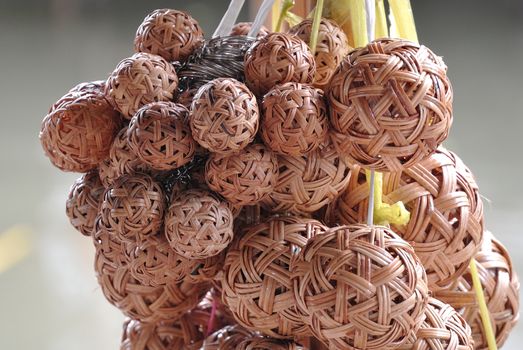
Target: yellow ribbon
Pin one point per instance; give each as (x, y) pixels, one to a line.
(385, 214)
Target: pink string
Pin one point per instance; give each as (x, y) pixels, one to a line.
(210, 324)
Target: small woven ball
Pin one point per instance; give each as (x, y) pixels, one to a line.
(159, 134)
(226, 338)
(244, 178)
(263, 343)
(198, 225)
(391, 104)
(257, 281)
(294, 119)
(243, 28)
(446, 212)
(331, 48)
(138, 80)
(224, 116)
(359, 287)
(172, 34)
(78, 131)
(84, 201)
(278, 58)
(307, 183)
(133, 207)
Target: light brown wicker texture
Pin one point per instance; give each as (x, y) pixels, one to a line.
(227, 338)
(391, 103)
(96, 86)
(257, 282)
(359, 287)
(331, 49)
(198, 225)
(224, 116)
(159, 134)
(244, 178)
(172, 34)
(446, 223)
(133, 207)
(307, 183)
(243, 28)
(294, 119)
(138, 80)
(84, 201)
(263, 343)
(500, 286)
(278, 58)
(78, 131)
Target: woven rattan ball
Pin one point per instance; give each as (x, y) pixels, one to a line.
(159, 134)
(226, 338)
(264, 343)
(133, 207)
(244, 178)
(331, 49)
(224, 116)
(138, 80)
(257, 281)
(84, 201)
(500, 287)
(278, 58)
(172, 34)
(359, 287)
(198, 225)
(243, 28)
(446, 212)
(294, 119)
(391, 103)
(78, 131)
(307, 183)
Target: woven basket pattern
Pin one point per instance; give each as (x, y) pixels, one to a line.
(224, 116)
(243, 28)
(391, 102)
(257, 281)
(262, 343)
(331, 48)
(446, 224)
(186, 97)
(227, 338)
(172, 34)
(244, 178)
(359, 286)
(278, 58)
(138, 80)
(294, 119)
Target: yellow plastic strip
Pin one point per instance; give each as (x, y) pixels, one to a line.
(316, 26)
(15, 245)
(403, 19)
(381, 30)
(385, 214)
(483, 309)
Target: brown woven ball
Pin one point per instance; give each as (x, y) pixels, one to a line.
(84, 201)
(359, 287)
(244, 178)
(78, 131)
(331, 48)
(500, 287)
(224, 116)
(138, 80)
(159, 134)
(278, 58)
(263, 343)
(446, 221)
(391, 103)
(294, 119)
(227, 338)
(308, 182)
(257, 281)
(133, 207)
(198, 225)
(172, 34)
(243, 28)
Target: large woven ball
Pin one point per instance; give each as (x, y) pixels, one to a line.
(294, 119)
(278, 58)
(138, 80)
(133, 207)
(257, 280)
(359, 287)
(243, 28)
(446, 221)
(78, 131)
(307, 183)
(244, 178)
(331, 48)
(159, 134)
(224, 116)
(172, 34)
(226, 338)
(83, 202)
(198, 225)
(391, 104)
